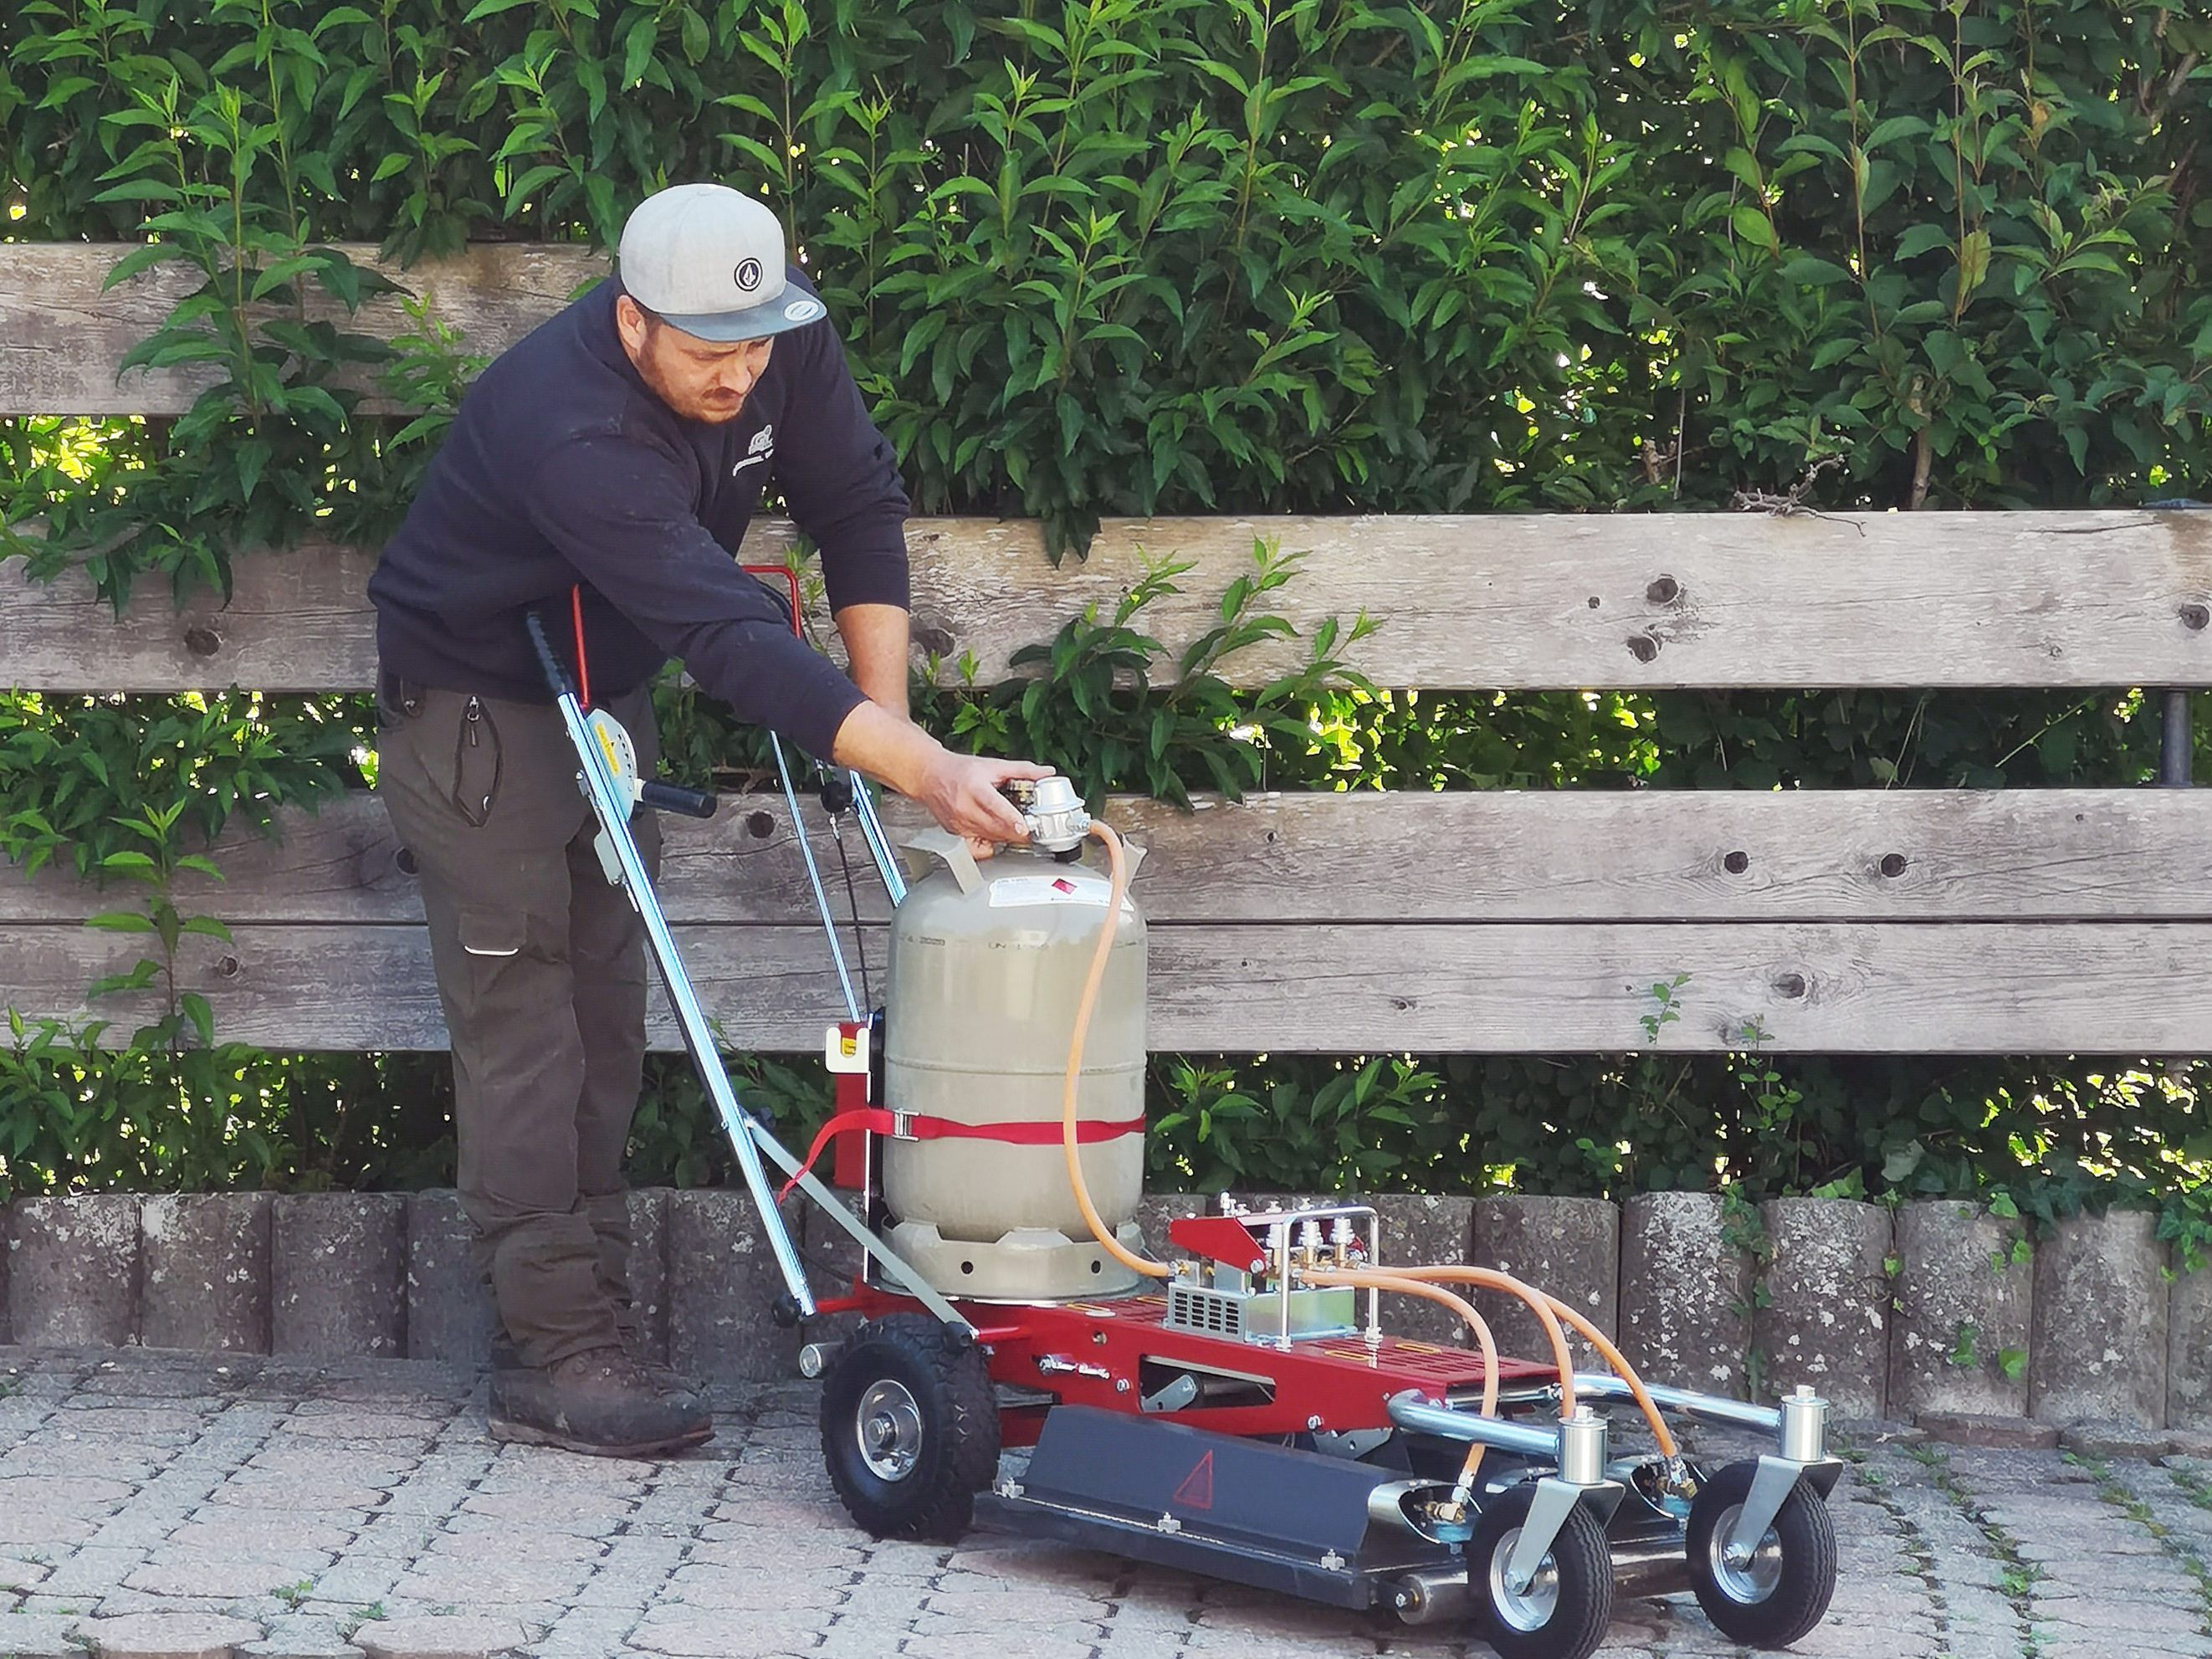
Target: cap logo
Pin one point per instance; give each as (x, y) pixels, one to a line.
(748, 274)
(802, 310)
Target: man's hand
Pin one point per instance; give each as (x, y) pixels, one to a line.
(961, 792)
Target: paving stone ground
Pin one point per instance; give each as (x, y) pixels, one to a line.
(164, 1505)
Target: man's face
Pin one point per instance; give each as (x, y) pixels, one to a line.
(699, 380)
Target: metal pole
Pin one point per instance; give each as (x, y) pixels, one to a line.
(2175, 740)
(814, 880)
(613, 814)
(879, 844)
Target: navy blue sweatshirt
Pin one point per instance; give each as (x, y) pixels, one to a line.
(562, 467)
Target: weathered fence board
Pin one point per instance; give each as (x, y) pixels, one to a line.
(1927, 855)
(62, 338)
(1648, 601)
(2120, 987)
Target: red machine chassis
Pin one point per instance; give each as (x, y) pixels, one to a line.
(1109, 1353)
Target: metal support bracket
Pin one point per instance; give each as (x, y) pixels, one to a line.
(1555, 1500)
(1770, 1490)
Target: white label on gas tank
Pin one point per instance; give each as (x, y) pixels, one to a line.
(1009, 891)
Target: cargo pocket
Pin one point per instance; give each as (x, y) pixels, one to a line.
(488, 933)
(477, 763)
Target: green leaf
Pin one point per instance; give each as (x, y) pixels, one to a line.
(121, 921)
(484, 8)
(1920, 238)
(139, 190)
(1894, 128)
(1755, 227)
(1807, 271)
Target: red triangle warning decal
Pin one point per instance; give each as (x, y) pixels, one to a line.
(1196, 1491)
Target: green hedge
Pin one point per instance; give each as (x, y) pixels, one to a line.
(1130, 256)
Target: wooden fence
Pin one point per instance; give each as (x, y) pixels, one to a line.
(2016, 921)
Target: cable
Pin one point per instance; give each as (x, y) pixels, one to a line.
(583, 671)
(1117, 889)
(853, 899)
(1407, 1285)
(1538, 1303)
(1597, 1339)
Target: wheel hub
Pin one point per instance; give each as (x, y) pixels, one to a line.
(1744, 1576)
(1531, 1607)
(888, 1426)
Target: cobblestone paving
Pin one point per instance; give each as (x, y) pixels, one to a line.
(166, 1505)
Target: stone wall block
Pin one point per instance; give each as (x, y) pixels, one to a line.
(1823, 1320)
(73, 1271)
(2188, 1349)
(1686, 1291)
(1422, 1229)
(648, 1268)
(1960, 1313)
(450, 1314)
(722, 1277)
(337, 1273)
(205, 1257)
(1568, 1247)
(2099, 1348)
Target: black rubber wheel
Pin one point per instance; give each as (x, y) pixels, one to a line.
(1782, 1591)
(1564, 1613)
(910, 1427)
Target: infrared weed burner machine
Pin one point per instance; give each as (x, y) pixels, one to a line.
(1235, 1410)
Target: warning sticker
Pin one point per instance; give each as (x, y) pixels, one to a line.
(1009, 891)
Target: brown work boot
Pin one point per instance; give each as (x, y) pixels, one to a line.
(506, 1357)
(599, 1403)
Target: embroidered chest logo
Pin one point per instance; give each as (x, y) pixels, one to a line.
(760, 448)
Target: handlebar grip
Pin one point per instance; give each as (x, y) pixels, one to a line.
(668, 797)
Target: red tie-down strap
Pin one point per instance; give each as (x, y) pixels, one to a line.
(914, 1126)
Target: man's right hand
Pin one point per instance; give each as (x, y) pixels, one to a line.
(961, 792)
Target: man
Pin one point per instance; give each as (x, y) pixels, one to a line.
(619, 452)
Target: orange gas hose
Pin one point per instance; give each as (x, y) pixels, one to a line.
(1361, 1278)
(1089, 1000)
(1597, 1339)
(1539, 1304)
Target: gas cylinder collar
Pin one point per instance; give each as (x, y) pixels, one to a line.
(1053, 813)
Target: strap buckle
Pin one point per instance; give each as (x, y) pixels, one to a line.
(903, 1126)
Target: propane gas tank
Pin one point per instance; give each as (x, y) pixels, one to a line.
(987, 965)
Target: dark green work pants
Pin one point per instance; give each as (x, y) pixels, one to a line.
(541, 967)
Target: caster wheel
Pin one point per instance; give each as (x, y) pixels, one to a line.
(1563, 1612)
(909, 1428)
(1780, 1590)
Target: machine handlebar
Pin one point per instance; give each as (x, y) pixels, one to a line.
(670, 798)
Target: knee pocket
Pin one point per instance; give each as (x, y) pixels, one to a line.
(492, 935)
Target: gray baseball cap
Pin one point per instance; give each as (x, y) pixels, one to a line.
(709, 260)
